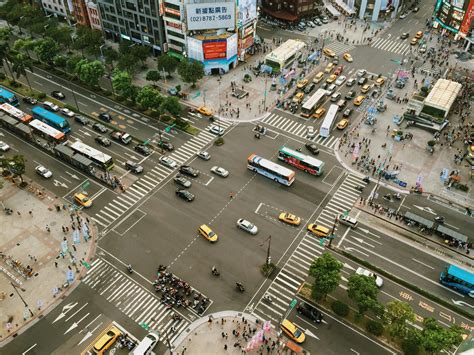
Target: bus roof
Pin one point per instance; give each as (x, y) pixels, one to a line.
(271, 165)
(16, 113)
(49, 115)
(302, 157)
(90, 152)
(314, 99)
(6, 93)
(461, 274)
(47, 129)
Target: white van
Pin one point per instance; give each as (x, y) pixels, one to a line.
(146, 346)
(348, 221)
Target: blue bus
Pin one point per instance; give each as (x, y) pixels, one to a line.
(50, 118)
(458, 279)
(8, 97)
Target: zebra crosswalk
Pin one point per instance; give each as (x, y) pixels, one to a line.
(284, 287)
(339, 48)
(398, 46)
(132, 299)
(298, 129)
(140, 188)
(426, 68)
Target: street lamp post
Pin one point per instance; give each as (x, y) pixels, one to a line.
(332, 231)
(19, 295)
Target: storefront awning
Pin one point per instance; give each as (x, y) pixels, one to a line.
(332, 10)
(421, 220)
(452, 234)
(282, 15)
(345, 8)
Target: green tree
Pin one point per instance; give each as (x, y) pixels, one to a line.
(90, 72)
(60, 61)
(122, 84)
(363, 290)
(25, 45)
(61, 34)
(396, 316)
(141, 53)
(166, 63)
(17, 166)
(171, 104)
(5, 56)
(412, 342)
(127, 62)
(21, 64)
(326, 271)
(191, 71)
(125, 47)
(436, 338)
(110, 55)
(46, 49)
(153, 75)
(72, 62)
(88, 40)
(149, 98)
(5, 34)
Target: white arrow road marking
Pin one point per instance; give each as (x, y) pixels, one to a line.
(84, 132)
(89, 333)
(76, 324)
(349, 266)
(59, 183)
(426, 209)
(354, 249)
(87, 326)
(362, 241)
(74, 176)
(308, 332)
(62, 177)
(462, 303)
(67, 307)
(77, 311)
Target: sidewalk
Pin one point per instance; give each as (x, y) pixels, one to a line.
(229, 332)
(37, 256)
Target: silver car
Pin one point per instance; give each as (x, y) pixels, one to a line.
(220, 171)
(42, 171)
(167, 161)
(204, 155)
(247, 226)
(217, 130)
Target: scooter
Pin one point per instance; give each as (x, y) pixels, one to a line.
(439, 219)
(268, 299)
(239, 287)
(8, 211)
(366, 179)
(129, 268)
(397, 196)
(359, 188)
(387, 198)
(215, 272)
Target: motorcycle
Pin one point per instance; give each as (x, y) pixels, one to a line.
(239, 287)
(214, 271)
(359, 188)
(366, 179)
(8, 211)
(397, 196)
(439, 219)
(176, 317)
(387, 198)
(129, 269)
(257, 135)
(268, 299)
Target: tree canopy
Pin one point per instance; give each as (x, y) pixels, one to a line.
(326, 271)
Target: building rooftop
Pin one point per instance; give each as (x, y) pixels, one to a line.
(286, 50)
(443, 94)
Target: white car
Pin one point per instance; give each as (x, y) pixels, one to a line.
(348, 221)
(50, 106)
(247, 226)
(216, 130)
(365, 272)
(340, 80)
(218, 170)
(361, 73)
(310, 132)
(4, 146)
(167, 161)
(42, 171)
(204, 155)
(67, 112)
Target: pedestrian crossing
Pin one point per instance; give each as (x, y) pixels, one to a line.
(427, 69)
(339, 47)
(148, 181)
(139, 304)
(298, 129)
(292, 275)
(397, 46)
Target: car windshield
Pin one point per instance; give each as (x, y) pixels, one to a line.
(297, 333)
(84, 199)
(211, 234)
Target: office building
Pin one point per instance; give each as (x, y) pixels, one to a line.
(57, 8)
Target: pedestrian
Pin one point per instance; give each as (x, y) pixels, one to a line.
(18, 212)
(74, 247)
(56, 264)
(223, 335)
(47, 229)
(225, 346)
(30, 213)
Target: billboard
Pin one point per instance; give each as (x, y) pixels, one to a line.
(206, 16)
(247, 11)
(468, 18)
(214, 49)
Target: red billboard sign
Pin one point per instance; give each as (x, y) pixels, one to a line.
(468, 18)
(215, 49)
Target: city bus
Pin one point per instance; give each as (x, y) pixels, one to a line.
(47, 132)
(50, 118)
(17, 114)
(328, 121)
(459, 279)
(102, 160)
(301, 161)
(8, 97)
(270, 169)
(312, 104)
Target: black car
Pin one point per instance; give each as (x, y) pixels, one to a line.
(133, 167)
(324, 86)
(99, 128)
(166, 145)
(312, 148)
(30, 100)
(189, 170)
(350, 95)
(309, 311)
(103, 141)
(347, 112)
(185, 195)
(81, 119)
(58, 95)
(142, 149)
(105, 117)
(309, 88)
(181, 180)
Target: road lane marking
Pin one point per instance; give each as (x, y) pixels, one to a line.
(260, 205)
(418, 261)
(31, 347)
(72, 315)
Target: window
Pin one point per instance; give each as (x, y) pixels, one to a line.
(175, 34)
(176, 43)
(172, 6)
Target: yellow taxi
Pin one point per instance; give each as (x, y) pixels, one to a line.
(414, 41)
(298, 97)
(329, 52)
(318, 230)
(347, 57)
(331, 79)
(359, 100)
(292, 331)
(365, 88)
(207, 233)
(419, 34)
(205, 111)
(289, 218)
(107, 340)
(82, 199)
(329, 67)
(342, 123)
(319, 112)
(380, 81)
(318, 77)
(302, 83)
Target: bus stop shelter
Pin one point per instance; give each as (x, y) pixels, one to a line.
(418, 219)
(452, 234)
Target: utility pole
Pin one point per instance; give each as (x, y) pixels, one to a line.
(332, 235)
(19, 295)
(269, 258)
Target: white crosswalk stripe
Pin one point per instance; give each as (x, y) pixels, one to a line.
(426, 69)
(140, 188)
(295, 271)
(398, 46)
(131, 298)
(339, 47)
(298, 129)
